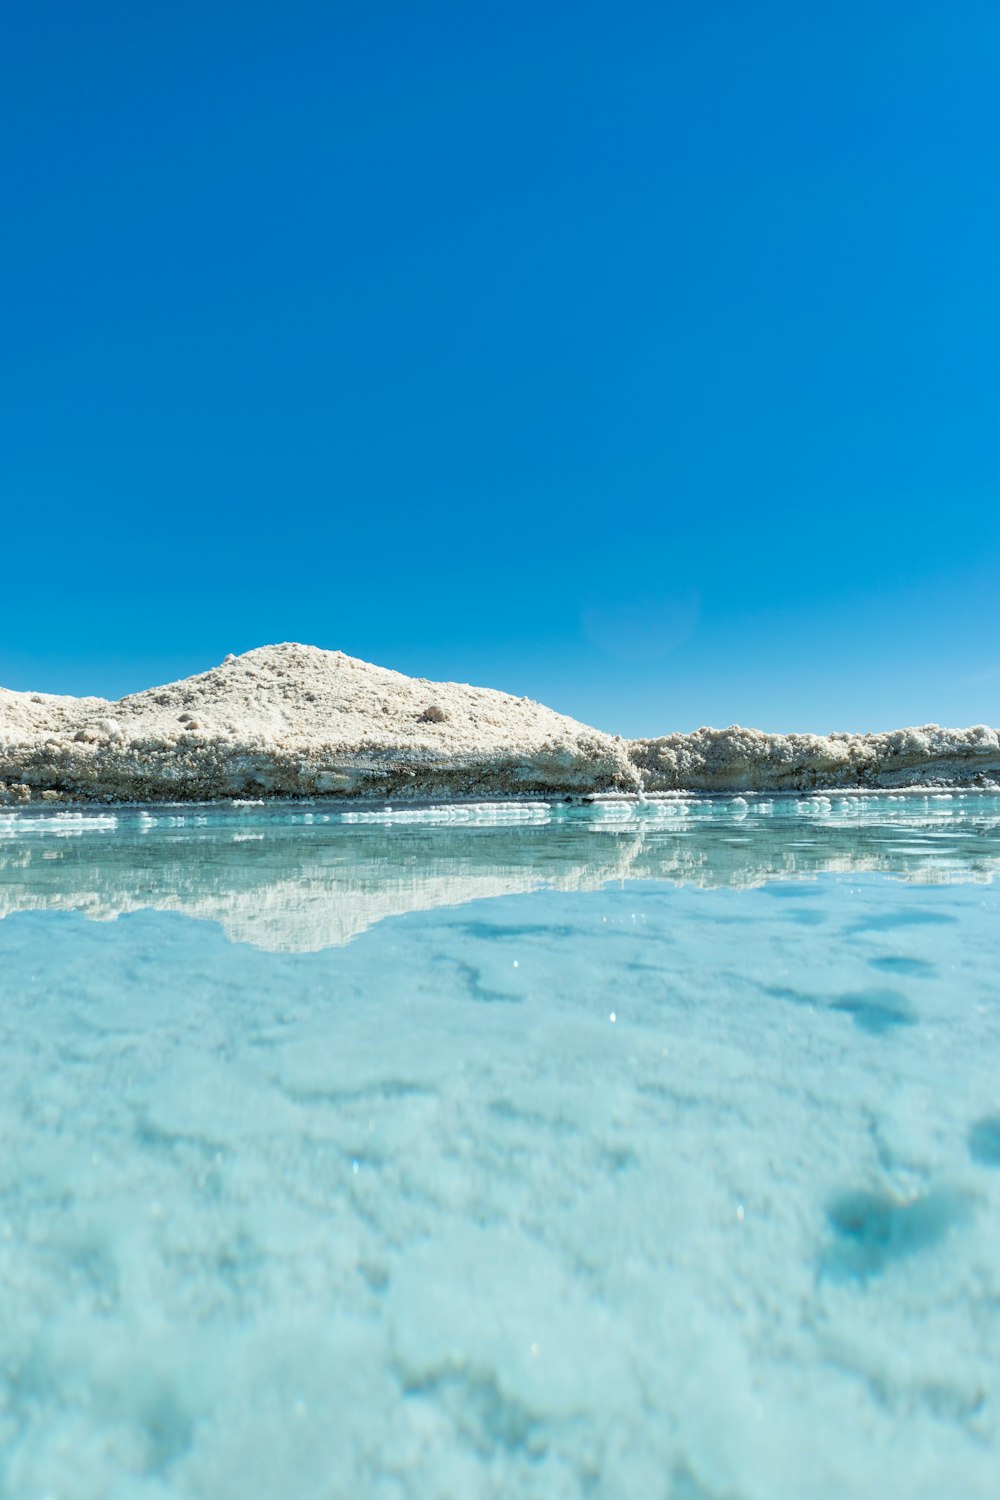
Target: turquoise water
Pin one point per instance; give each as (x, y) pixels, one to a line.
(632, 1151)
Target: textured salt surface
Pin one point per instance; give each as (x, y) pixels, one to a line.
(647, 1190)
(294, 721)
(721, 760)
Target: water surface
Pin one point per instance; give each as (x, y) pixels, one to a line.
(547, 1151)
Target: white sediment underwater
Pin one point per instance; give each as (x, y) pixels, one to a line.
(296, 721)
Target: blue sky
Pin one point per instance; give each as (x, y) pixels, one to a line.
(640, 358)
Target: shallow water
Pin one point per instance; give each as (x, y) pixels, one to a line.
(632, 1151)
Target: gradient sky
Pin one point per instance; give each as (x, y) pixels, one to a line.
(640, 358)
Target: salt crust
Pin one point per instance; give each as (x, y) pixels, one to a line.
(296, 721)
(735, 759)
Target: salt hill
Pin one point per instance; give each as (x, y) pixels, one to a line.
(295, 721)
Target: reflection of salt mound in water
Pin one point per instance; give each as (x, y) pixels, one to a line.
(279, 882)
(315, 906)
(292, 888)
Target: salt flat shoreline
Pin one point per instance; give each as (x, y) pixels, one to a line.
(293, 722)
(297, 877)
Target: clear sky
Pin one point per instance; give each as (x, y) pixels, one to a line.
(640, 358)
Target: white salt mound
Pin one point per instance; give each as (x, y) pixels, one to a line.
(735, 759)
(295, 721)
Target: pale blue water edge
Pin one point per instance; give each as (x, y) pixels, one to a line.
(624, 1151)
